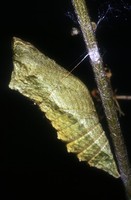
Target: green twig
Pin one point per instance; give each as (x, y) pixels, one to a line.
(105, 93)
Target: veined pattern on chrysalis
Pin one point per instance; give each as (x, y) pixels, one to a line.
(66, 102)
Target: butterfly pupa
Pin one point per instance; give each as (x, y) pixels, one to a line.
(66, 102)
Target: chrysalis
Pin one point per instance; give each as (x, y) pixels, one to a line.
(66, 102)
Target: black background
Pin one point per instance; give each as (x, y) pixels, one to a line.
(33, 163)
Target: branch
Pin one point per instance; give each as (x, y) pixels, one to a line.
(106, 93)
(123, 97)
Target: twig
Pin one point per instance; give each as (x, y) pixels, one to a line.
(106, 93)
(123, 97)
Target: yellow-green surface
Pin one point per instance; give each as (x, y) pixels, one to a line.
(66, 102)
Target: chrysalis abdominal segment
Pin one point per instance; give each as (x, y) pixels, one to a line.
(66, 102)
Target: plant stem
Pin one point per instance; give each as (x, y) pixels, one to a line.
(106, 93)
(123, 97)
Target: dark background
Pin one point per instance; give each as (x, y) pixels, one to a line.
(33, 163)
